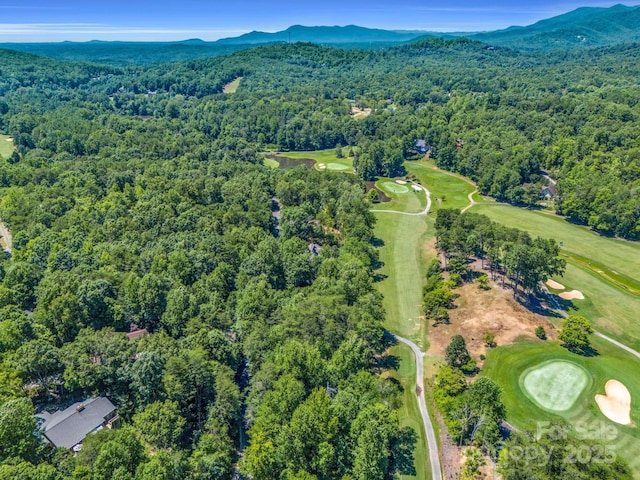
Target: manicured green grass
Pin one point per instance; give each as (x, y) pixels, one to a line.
(605, 270)
(403, 270)
(620, 256)
(505, 365)
(327, 157)
(6, 146)
(393, 187)
(408, 200)
(232, 87)
(611, 310)
(447, 191)
(555, 385)
(271, 163)
(409, 413)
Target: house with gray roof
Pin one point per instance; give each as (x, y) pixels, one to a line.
(67, 428)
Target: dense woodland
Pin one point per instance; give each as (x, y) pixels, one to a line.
(136, 195)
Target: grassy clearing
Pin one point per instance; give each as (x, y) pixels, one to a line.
(232, 87)
(271, 163)
(506, 364)
(327, 157)
(621, 257)
(409, 413)
(447, 190)
(6, 146)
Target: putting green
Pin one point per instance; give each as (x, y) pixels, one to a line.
(555, 385)
(337, 166)
(394, 187)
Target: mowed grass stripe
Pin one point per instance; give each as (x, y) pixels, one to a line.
(620, 256)
(404, 270)
(610, 309)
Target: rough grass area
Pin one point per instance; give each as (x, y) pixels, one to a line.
(478, 312)
(507, 364)
(6, 146)
(555, 385)
(409, 413)
(232, 87)
(448, 190)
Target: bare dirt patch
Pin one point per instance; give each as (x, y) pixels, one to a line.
(572, 295)
(481, 311)
(616, 404)
(360, 112)
(555, 285)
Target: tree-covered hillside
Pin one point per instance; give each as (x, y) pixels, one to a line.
(137, 199)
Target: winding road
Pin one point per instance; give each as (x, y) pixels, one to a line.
(434, 457)
(432, 444)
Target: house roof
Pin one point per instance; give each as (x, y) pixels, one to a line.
(68, 427)
(421, 143)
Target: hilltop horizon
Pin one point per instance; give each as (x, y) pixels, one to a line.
(74, 21)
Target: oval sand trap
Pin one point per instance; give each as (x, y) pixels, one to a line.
(555, 285)
(417, 188)
(616, 404)
(555, 385)
(401, 182)
(337, 166)
(393, 187)
(572, 295)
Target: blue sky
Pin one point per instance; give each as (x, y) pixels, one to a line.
(156, 20)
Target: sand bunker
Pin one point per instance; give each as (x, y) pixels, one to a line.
(616, 404)
(321, 166)
(417, 188)
(9, 139)
(555, 285)
(572, 295)
(401, 182)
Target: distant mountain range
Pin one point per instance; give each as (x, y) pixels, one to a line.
(586, 27)
(325, 35)
(582, 28)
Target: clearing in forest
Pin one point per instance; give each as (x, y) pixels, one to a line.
(6, 146)
(232, 86)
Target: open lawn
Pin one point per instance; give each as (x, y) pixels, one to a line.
(327, 158)
(233, 86)
(409, 413)
(6, 146)
(447, 190)
(506, 365)
(621, 257)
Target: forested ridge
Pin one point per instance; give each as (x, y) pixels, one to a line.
(137, 196)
